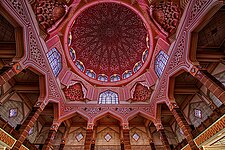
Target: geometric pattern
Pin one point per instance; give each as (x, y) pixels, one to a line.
(109, 39)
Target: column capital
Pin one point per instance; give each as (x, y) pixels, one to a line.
(17, 68)
(90, 126)
(159, 126)
(195, 70)
(125, 126)
(55, 126)
(41, 104)
(172, 105)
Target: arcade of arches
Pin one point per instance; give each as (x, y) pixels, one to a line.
(112, 74)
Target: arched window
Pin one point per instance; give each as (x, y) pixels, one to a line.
(144, 55)
(80, 65)
(108, 97)
(127, 74)
(160, 62)
(137, 66)
(55, 60)
(90, 73)
(147, 41)
(103, 78)
(72, 54)
(70, 39)
(114, 78)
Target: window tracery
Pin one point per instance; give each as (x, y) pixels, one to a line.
(145, 55)
(160, 62)
(108, 97)
(103, 77)
(137, 66)
(115, 78)
(80, 65)
(55, 60)
(72, 54)
(127, 74)
(90, 73)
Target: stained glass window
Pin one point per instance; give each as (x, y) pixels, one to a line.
(108, 97)
(80, 65)
(114, 78)
(55, 60)
(70, 39)
(90, 73)
(103, 78)
(145, 55)
(198, 113)
(137, 66)
(127, 74)
(72, 54)
(13, 112)
(160, 62)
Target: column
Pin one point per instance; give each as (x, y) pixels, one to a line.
(210, 82)
(51, 136)
(88, 144)
(184, 126)
(64, 138)
(126, 137)
(151, 143)
(28, 124)
(163, 137)
(9, 74)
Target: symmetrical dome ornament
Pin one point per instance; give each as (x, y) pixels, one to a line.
(108, 42)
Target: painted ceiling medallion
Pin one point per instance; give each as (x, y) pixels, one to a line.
(109, 39)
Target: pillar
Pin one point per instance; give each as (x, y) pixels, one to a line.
(151, 143)
(51, 136)
(89, 142)
(184, 126)
(64, 138)
(163, 136)
(88, 139)
(210, 82)
(9, 74)
(28, 124)
(125, 144)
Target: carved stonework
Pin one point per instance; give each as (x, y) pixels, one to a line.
(74, 92)
(124, 110)
(53, 89)
(198, 6)
(141, 93)
(48, 12)
(167, 15)
(92, 110)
